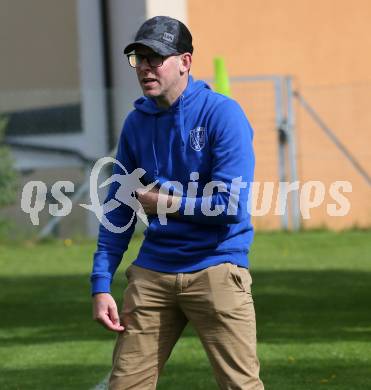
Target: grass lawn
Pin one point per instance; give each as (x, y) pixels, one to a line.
(312, 296)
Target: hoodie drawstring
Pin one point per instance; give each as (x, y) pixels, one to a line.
(180, 120)
(154, 143)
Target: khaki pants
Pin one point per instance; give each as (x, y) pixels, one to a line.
(157, 306)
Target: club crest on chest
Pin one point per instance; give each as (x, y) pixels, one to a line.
(197, 138)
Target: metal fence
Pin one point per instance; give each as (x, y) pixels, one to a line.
(312, 134)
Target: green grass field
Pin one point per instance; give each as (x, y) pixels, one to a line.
(312, 296)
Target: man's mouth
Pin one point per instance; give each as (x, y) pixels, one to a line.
(148, 81)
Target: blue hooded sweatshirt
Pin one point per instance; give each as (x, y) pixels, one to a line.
(203, 132)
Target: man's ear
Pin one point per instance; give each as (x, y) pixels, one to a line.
(185, 62)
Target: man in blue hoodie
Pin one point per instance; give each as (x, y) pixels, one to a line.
(196, 146)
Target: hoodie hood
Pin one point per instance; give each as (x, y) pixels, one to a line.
(148, 106)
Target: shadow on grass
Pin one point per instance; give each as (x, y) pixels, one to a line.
(180, 376)
(316, 374)
(71, 377)
(50, 309)
(311, 374)
(290, 305)
(312, 306)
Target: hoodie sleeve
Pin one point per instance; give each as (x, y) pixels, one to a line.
(232, 169)
(111, 246)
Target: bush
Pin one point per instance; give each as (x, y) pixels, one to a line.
(8, 174)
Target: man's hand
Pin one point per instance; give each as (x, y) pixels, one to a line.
(105, 312)
(155, 202)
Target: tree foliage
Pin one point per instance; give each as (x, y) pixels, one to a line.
(8, 174)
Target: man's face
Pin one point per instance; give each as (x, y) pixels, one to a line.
(158, 81)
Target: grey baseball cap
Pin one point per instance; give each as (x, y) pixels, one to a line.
(164, 35)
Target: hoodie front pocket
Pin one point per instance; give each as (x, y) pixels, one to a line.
(185, 236)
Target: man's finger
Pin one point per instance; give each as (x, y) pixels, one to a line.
(148, 188)
(140, 191)
(114, 317)
(106, 321)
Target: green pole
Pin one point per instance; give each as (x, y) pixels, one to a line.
(221, 77)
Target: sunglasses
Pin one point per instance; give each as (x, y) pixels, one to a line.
(153, 60)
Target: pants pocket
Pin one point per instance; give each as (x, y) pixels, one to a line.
(241, 277)
(127, 271)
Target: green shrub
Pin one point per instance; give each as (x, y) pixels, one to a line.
(8, 174)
